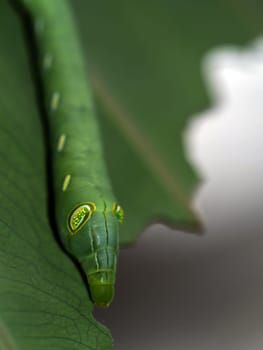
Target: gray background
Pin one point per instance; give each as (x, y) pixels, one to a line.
(178, 291)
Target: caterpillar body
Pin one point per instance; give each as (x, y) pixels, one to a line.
(87, 213)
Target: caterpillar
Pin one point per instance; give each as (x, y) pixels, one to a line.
(86, 211)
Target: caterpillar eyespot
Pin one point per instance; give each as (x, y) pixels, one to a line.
(118, 212)
(89, 232)
(79, 216)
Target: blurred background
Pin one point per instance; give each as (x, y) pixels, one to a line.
(180, 291)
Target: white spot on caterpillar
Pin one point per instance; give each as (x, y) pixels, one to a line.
(61, 142)
(39, 25)
(55, 101)
(47, 61)
(66, 182)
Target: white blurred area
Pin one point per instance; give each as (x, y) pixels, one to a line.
(225, 143)
(177, 291)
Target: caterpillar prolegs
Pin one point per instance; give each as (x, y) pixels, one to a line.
(87, 213)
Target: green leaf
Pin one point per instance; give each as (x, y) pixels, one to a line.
(144, 60)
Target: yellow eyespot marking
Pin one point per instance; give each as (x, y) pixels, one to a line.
(79, 216)
(61, 142)
(47, 61)
(118, 212)
(66, 182)
(55, 99)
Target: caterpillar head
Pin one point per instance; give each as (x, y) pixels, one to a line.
(94, 241)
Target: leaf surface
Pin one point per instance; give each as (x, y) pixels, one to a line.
(144, 59)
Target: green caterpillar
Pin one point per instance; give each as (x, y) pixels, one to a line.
(87, 212)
